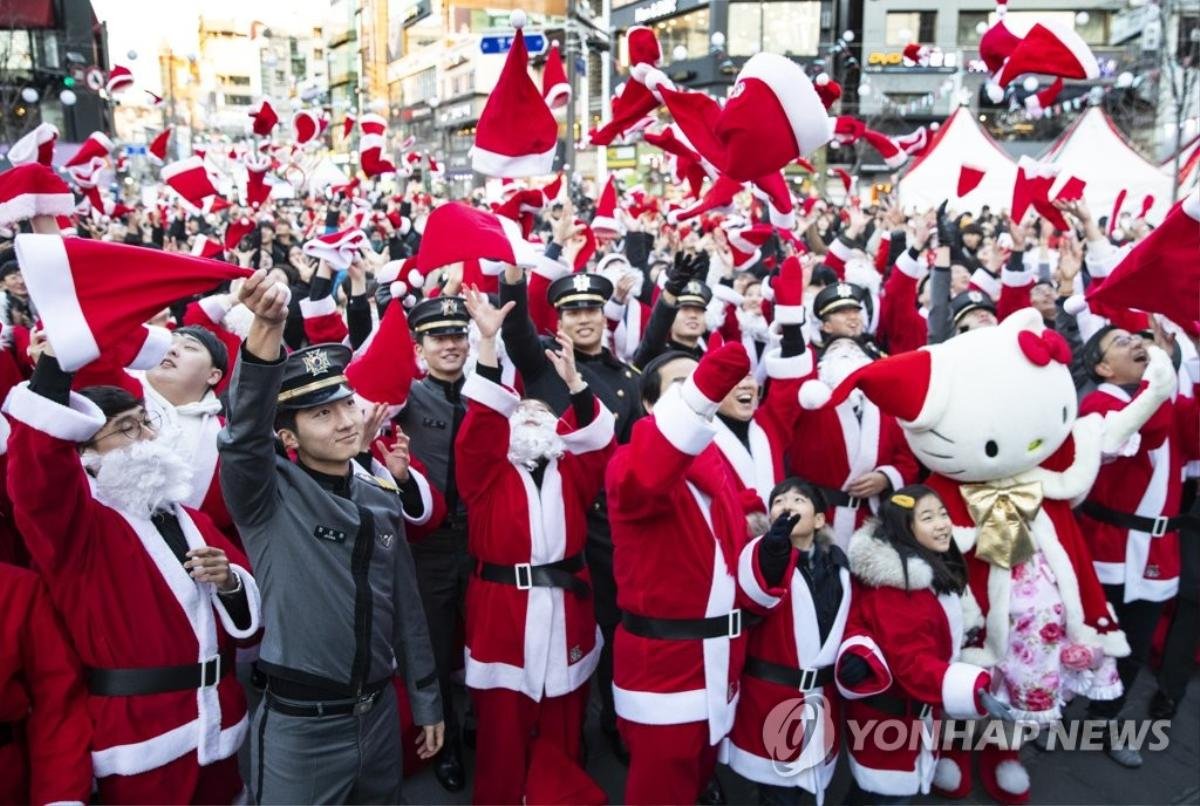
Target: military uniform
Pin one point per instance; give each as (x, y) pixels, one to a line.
(618, 387)
(340, 605)
(657, 338)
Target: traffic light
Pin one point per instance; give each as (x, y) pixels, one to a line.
(68, 81)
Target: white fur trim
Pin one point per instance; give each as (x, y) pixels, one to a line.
(558, 95)
(909, 266)
(490, 394)
(726, 294)
(160, 750)
(313, 308)
(490, 163)
(550, 269)
(780, 219)
(78, 421)
(790, 314)
(986, 283)
(661, 707)
(47, 273)
(426, 500)
(893, 475)
(614, 311)
(1015, 279)
(810, 124)
(748, 580)
(253, 598)
(680, 424)
(797, 366)
(1012, 777)
(214, 307)
(595, 435)
(607, 224)
(958, 690)
(697, 400)
(1191, 205)
(866, 643)
(946, 774)
(27, 205)
(877, 563)
(153, 349)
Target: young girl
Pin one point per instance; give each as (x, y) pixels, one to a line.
(790, 655)
(897, 661)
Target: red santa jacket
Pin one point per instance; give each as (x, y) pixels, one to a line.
(1148, 483)
(126, 600)
(759, 467)
(788, 636)
(832, 447)
(678, 527)
(910, 637)
(42, 697)
(902, 327)
(542, 641)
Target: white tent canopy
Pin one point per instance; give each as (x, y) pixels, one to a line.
(933, 177)
(1093, 150)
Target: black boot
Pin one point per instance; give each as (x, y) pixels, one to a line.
(1162, 706)
(713, 794)
(448, 768)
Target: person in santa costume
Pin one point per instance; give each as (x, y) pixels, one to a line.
(528, 479)
(156, 636)
(992, 413)
(900, 659)
(679, 529)
(1131, 517)
(45, 730)
(791, 653)
(854, 452)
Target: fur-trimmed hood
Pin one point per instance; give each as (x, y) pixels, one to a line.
(877, 563)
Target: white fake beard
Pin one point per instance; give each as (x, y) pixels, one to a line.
(842, 358)
(861, 272)
(529, 444)
(142, 478)
(617, 272)
(753, 325)
(238, 320)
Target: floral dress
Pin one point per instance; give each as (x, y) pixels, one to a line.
(1044, 669)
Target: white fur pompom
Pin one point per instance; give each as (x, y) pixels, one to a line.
(416, 279)
(814, 395)
(398, 289)
(1012, 777)
(409, 301)
(518, 19)
(995, 92)
(1075, 305)
(821, 80)
(946, 775)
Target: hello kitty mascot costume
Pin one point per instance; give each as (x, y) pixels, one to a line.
(992, 413)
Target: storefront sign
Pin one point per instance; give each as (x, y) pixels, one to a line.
(652, 11)
(883, 59)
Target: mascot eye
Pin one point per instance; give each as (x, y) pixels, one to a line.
(1064, 415)
(991, 448)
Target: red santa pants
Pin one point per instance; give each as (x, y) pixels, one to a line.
(508, 722)
(667, 763)
(181, 781)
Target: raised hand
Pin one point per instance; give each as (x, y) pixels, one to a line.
(564, 362)
(396, 458)
(267, 299)
(488, 318)
(373, 421)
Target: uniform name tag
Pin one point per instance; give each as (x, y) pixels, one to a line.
(329, 533)
(430, 422)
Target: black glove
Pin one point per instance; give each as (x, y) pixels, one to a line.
(852, 670)
(780, 532)
(776, 548)
(686, 269)
(945, 227)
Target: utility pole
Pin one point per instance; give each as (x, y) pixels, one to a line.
(569, 48)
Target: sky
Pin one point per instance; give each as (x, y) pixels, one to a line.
(143, 27)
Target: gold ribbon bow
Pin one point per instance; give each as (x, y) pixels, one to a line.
(1002, 516)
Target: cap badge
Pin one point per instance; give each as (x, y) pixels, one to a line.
(975, 296)
(581, 282)
(844, 290)
(693, 287)
(317, 362)
(449, 307)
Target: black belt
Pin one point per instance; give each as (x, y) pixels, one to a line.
(1156, 527)
(840, 498)
(159, 679)
(358, 706)
(560, 574)
(8, 733)
(283, 687)
(684, 629)
(801, 679)
(898, 706)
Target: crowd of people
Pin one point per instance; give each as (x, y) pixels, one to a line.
(302, 496)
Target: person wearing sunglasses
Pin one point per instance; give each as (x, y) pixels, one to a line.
(152, 595)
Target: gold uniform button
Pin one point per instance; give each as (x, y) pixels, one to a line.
(628, 374)
(620, 393)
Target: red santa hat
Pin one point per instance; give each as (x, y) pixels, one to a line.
(33, 189)
(773, 189)
(190, 179)
(372, 124)
(257, 190)
(914, 143)
(236, 230)
(916, 54)
(1139, 281)
(641, 43)
(119, 78)
(605, 218)
(435, 168)
(264, 117)
(718, 372)
(555, 88)
(206, 248)
(843, 175)
(827, 89)
(88, 307)
(306, 126)
(1071, 190)
(338, 249)
(373, 371)
(900, 385)
(1050, 48)
(848, 130)
(969, 178)
(36, 146)
(370, 156)
(457, 232)
(347, 125)
(158, 146)
(155, 100)
(516, 134)
(522, 207)
(96, 146)
(1032, 189)
(997, 44)
(773, 116)
(552, 189)
(746, 245)
(892, 154)
(1044, 98)
(631, 103)
(718, 198)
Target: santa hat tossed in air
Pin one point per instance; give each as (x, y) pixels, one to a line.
(372, 372)
(370, 156)
(33, 189)
(158, 146)
(1050, 48)
(605, 218)
(969, 178)
(372, 124)
(257, 189)
(718, 199)
(516, 134)
(264, 117)
(773, 189)
(828, 90)
(338, 249)
(307, 127)
(190, 179)
(96, 146)
(347, 125)
(746, 245)
(555, 89)
(917, 54)
(634, 100)
(523, 207)
(1044, 98)
(36, 146)
(457, 232)
(119, 79)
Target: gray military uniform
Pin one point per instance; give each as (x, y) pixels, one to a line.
(340, 609)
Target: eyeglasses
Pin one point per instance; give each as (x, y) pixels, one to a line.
(1124, 340)
(130, 427)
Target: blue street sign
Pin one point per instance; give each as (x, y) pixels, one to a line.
(536, 44)
(135, 150)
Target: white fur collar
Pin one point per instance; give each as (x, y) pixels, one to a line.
(875, 562)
